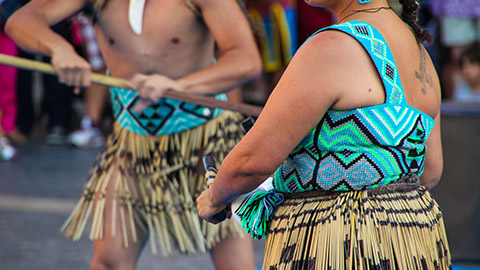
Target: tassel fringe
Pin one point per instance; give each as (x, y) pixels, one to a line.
(150, 183)
(257, 210)
(355, 230)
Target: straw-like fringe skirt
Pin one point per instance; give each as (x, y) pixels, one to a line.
(153, 182)
(400, 229)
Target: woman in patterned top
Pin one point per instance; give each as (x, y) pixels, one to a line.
(144, 183)
(351, 135)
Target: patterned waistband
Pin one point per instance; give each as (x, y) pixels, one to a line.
(167, 116)
(408, 183)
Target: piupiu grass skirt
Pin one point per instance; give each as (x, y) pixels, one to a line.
(397, 227)
(153, 182)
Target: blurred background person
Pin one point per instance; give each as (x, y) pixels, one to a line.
(8, 100)
(459, 28)
(90, 134)
(56, 101)
(469, 64)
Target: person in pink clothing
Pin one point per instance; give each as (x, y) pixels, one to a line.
(8, 99)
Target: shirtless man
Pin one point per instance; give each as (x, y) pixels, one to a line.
(145, 186)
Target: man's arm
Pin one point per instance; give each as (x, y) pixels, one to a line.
(30, 28)
(30, 25)
(238, 59)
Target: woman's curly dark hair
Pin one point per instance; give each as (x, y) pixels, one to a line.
(410, 16)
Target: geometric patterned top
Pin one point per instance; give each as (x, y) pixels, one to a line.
(362, 148)
(167, 116)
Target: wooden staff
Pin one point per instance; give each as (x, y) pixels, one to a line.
(101, 79)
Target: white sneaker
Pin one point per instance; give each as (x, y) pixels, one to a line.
(87, 136)
(7, 152)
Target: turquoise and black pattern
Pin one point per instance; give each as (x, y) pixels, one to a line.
(165, 117)
(362, 148)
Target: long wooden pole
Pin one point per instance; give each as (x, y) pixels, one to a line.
(101, 79)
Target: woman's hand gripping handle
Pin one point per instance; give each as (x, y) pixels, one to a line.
(210, 174)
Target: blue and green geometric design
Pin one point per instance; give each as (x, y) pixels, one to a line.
(164, 117)
(365, 147)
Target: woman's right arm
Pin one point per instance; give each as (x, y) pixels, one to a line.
(30, 28)
(313, 81)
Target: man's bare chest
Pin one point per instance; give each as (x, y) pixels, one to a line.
(164, 23)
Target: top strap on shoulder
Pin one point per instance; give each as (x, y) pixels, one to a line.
(376, 46)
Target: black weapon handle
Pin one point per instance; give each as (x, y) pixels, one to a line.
(210, 174)
(247, 124)
(211, 168)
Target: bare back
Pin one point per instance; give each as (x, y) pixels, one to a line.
(174, 41)
(417, 72)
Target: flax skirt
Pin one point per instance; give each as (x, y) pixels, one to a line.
(358, 230)
(153, 182)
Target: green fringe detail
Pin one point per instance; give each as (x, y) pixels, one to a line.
(256, 211)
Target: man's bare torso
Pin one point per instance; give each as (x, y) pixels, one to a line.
(174, 41)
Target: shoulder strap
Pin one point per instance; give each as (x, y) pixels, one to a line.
(379, 52)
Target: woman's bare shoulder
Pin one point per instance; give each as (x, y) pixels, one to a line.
(333, 44)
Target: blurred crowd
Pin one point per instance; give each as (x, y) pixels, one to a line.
(281, 26)
(32, 101)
